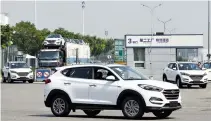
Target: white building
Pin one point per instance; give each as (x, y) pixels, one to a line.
(4, 19)
(151, 55)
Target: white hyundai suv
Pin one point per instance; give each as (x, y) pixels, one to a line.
(54, 40)
(185, 73)
(93, 88)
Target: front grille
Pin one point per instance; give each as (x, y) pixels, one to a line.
(196, 77)
(171, 94)
(22, 73)
(51, 41)
(197, 82)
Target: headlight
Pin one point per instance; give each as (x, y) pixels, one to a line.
(182, 73)
(204, 74)
(30, 71)
(150, 87)
(13, 71)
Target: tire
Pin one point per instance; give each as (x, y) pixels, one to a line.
(91, 113)
(179, 83)
(24, 81)
(126, 105)
(203, 85)
(3, 78)
(31, 81)
(62, 100)
(165, 78)
(162, 114)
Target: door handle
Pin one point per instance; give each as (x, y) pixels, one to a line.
(92, 85)
(67, 83)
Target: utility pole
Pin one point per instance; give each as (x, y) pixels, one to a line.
(164, 24)
(83, 8)
(208, 55)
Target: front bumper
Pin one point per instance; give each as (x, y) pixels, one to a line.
(188, 80)
(16, 77)
(167, 106)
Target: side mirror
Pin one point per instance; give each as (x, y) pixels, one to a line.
(110, 78)
(174, 68)
(7, 67)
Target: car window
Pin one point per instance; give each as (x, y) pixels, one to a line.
(81, 72)
(102, 73)
(170, 65)
(174, 65)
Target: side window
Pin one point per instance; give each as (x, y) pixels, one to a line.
(170, 65)
(174, 66)
(102, 73)
(81, 72)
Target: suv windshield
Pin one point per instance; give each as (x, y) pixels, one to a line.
(207, 65)
(54, 36)
(128, 73)
(49, 55)
(188, 66)
(18, 65)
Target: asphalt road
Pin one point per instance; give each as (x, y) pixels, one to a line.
(25, 102)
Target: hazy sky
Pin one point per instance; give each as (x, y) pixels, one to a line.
(119, 18)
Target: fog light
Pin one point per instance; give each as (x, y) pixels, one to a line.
(13, 76)
(156, 100)
(30, 76)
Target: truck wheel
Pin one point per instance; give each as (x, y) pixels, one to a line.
(162, 114)
(91, 113)
(132, 108)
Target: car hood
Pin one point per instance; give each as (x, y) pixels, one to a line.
(21, 70)
(193, 72)
(53, 38)
(164, 85)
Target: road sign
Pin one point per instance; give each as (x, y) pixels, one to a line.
(42, 74)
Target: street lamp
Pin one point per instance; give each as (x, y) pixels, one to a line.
(35, 13)
(83, 7)
(152, 9)
(164, 24)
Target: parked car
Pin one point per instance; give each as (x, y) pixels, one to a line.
(207, 67)
(93, 88)
(17, 71)
(185, 73)
(54, 40)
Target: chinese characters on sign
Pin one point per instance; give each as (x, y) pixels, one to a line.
(145, 40)
(162, 40)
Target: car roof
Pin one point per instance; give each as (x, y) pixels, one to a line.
(88, 65)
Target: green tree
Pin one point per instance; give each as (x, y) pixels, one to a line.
(6, 35)
(27, 38)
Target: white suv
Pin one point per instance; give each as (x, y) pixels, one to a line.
(93, 88)
(55, 40)
(185, 73)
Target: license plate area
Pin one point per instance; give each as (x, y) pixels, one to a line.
(173, 104)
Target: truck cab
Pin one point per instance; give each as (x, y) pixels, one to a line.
(51, 58)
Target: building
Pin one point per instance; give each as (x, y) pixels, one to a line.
(151, 54)
(119, 51)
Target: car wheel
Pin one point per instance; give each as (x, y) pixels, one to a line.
(203, 85)
(24, 81)
(132, 108)
(162, 114)
(179, 83)
(3, 78)
(91, 113)
(60, 106)
(165, 78)
(31, 81)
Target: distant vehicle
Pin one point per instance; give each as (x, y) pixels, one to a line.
(17, 71)
(54, 40)
(185, 73)
(207, 67)
(93, 88)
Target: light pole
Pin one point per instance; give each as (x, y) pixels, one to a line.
(106, 33)
(164, 24)
(35, 13)
(83, 7)
(208, 55)
(152, 9)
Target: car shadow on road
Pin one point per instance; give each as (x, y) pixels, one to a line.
(102, 117)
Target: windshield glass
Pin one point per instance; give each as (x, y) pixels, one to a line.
(18, 65)
(54, 36)
(48, 55)
(188, 66)
(207, 65)
(128, 73)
